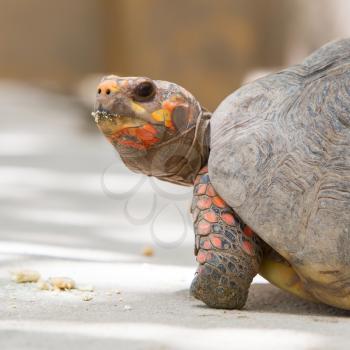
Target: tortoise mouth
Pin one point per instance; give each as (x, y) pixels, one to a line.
(129, 134)
(116, 122)
(104, 115)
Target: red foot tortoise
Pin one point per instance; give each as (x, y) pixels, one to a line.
(270, 170)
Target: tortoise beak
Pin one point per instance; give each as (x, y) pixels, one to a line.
(111, 101)
(113, 110)
(112, 124)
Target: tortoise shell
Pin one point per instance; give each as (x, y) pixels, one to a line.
(280, 156)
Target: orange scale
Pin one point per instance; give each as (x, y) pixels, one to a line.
(144, 134)
(201, 257)
(216, 241)
(248, 231)
(210, 216)
(150, 128)
(228, 218)
(203, 228)
(207, 245)
(204, 203)
(219, 202)
(210, 191)
(201, 189)
(248, 247)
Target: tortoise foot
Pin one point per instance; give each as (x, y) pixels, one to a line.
(217, 291)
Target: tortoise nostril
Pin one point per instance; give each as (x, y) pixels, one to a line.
(108, 91)
(99, 91)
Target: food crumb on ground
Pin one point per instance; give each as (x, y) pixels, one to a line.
(25, 276)
(127, 307)
(87, 297)
(148, 251)
(118, 291)
(44, 285)
(62, 283)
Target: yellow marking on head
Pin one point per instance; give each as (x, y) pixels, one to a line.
(168, 121)
(137, 108)
(161, 115)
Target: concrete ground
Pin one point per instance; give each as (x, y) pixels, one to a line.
(70, 208)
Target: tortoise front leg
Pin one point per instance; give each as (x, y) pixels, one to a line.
(228, 252)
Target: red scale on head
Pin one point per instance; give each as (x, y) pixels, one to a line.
(139, 137)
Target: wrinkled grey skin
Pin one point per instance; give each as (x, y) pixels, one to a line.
(280, 156)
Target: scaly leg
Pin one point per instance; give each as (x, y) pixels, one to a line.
(228, 252)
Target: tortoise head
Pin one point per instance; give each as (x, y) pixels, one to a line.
(153, 125)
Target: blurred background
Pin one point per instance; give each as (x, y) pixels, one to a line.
(67, 204)
(207, 46)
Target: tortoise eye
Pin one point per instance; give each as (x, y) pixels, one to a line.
(144, 91)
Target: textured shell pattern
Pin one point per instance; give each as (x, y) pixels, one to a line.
(280, 156)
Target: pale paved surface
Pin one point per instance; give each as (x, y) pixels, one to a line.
(56, 218)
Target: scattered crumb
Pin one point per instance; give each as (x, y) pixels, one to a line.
(87, 288)
(120, 299)
(62, 283)
(87, 297)
(53, 284)
(127, 307)
(118, 291)
(44, 285)
(109, 293)
(147, 251)
(25, 276)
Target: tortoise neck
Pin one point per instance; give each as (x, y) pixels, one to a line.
(189, 152)
(179, 159)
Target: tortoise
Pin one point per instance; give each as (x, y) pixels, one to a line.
(270, 170)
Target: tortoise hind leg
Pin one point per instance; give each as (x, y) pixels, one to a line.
(228, 253)
(280, 273)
